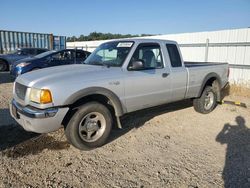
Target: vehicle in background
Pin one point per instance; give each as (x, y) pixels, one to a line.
(49, 59)
(6, 60)
(119, 77)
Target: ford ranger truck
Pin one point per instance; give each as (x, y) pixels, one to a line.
(119, 77)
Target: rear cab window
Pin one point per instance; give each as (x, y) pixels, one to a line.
(174, 55)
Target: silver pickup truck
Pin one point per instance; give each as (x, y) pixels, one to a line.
(120, 76)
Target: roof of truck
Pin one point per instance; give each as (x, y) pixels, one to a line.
(145, 40)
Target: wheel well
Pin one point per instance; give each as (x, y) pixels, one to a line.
(95, 97)
(215, 84)
(6, 62)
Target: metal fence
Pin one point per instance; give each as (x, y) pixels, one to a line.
(208, 45)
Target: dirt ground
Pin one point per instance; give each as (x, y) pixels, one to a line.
(167, 146)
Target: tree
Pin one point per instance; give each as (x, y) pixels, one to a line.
(101, 36)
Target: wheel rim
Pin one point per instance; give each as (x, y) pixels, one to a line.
(209, 100)
(92, 127)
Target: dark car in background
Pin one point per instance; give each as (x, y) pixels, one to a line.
(49, 59)
(6, 60)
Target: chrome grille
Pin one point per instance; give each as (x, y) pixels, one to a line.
(20, 90)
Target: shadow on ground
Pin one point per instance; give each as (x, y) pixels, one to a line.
(12, 135)
(35, 145)
(16, 142)
(139, 118)
(236, 171)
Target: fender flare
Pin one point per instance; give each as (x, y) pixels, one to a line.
(113, 98)
(207, 77)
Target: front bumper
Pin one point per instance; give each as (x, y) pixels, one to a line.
(37, 120)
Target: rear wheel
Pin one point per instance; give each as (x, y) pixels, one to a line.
(206, 102)
(89, 127)
(3, 65)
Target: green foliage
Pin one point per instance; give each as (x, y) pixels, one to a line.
(101, 36)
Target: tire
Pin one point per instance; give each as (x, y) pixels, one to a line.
(206, 102)
(90, 126)
(3, 66)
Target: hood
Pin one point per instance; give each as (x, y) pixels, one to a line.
(67, 74)
(27, 59)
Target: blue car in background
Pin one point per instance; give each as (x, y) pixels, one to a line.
(6, 60)
(49, 59)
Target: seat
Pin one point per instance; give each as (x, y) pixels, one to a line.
(149, 59)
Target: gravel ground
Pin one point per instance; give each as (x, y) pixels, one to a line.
(167, 146)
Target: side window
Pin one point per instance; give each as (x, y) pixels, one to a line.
(174, 55)
(62, 56)
(150, 55)
(56, 56)
(80, 55)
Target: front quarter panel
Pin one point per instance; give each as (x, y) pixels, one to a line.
(64, 90)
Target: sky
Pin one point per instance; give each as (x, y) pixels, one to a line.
(76, 17)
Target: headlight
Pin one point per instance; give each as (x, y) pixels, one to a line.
(23, 64)
(41, 96)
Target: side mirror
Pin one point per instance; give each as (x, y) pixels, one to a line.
(136, 65)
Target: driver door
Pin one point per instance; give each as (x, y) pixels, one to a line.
(149, 86)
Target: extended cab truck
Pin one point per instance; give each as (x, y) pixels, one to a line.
(120, 76)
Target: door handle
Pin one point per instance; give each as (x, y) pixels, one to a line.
(164, 75)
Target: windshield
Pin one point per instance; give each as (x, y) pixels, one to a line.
(44, 54)
(17, 51)
(111, 54)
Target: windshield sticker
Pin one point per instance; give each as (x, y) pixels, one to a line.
(125, 44)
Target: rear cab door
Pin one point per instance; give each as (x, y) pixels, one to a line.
(179, 74)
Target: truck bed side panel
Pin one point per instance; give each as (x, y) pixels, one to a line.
(199, 71)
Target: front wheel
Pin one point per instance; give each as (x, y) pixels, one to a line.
(206, 102)
(90, 126)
